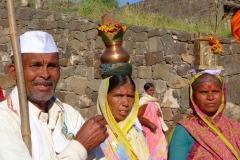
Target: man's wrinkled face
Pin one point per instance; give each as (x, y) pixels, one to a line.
(41, 73)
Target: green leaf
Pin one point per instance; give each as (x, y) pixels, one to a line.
(104, 36)
(119, 35)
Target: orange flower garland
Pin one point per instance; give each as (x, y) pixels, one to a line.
(216, 46)
(111, 27)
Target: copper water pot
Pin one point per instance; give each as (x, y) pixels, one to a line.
(114, 53)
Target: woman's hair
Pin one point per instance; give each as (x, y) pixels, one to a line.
(147, 86)
(119, 80)
(205, 78)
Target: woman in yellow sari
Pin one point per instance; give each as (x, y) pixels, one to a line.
(118, 102)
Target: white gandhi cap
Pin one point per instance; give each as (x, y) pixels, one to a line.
(37, 42)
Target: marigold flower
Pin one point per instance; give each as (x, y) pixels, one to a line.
(216, 46)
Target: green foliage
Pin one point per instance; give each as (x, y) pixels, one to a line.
(94, 9)
(104, 37)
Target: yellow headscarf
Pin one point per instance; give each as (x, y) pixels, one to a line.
(123, 129)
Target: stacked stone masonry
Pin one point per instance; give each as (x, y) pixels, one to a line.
(160, 56)
(188, 10)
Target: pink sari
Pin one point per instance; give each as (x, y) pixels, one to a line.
(217, 137)
(157, 143)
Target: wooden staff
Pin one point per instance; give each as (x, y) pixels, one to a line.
(25, 126)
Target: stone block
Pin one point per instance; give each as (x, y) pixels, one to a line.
(85, 101)
(61, 86)
(128, 46)
(182, 48)
(94, 84)
(144, 72)
(90, 73)
(41, 14)
(161, 71)
(67, 71)
(60, 96)
(230, 63)
(184, 97)
(169, 45)
(74, 44)
(94, 97)
(4, 39)
(80, 36)
(139, 84)
(4, 23)
(233, 89)
(7, 81)
(183, 69)
(153, 58)
(3, 14)
(170, 99)
(3, 48)
(138, 29)
(42, 24)
(88, 91)
(74, 25)
(155, 44)
(62, 24)
(153, 32)
(226, 49)
(141, 48)
(77, 84)
(167, 114)
(176, 81)
(184, 36)
(137, 60)
(99, 43)
(128, 35)
(81, 70)
(233, 111)
(87, 26)
(63, 43)
(187, 58)
(71, 99)
(236, 48)
(91, 34)
(160, 86)
(25, 14)
(140, 37)
(177, 117)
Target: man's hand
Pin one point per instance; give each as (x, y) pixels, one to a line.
(92, 133)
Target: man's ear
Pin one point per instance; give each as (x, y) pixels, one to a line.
(12, 72)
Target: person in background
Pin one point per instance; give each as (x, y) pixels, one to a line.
(151, 117)
(58, 131)
(1, 95)
(207, 133)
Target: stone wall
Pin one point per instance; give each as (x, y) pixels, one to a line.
(189, 10)
(160, 56)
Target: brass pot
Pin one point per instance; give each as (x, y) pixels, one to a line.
(114, 53)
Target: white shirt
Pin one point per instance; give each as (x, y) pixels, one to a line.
(12, 146)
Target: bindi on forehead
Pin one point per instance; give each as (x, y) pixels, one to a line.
(209, 87)
(127, 93)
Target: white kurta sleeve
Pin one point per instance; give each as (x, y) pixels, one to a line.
(73, 151)
(11, 143)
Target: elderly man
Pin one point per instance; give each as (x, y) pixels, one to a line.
(57, 130)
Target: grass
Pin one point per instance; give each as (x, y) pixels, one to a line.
(94, 9)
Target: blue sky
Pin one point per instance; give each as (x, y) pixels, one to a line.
(123, 2)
